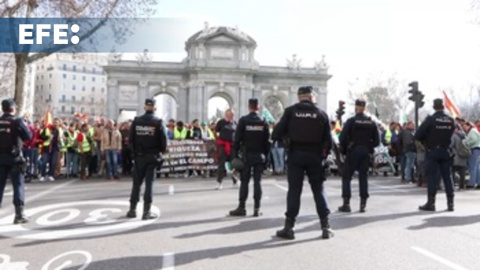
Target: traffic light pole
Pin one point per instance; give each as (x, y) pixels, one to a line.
(416, 115)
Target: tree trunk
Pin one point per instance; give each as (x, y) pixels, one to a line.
(19, 95)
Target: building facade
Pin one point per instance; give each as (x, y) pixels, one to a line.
(67, 86)
(220, 62)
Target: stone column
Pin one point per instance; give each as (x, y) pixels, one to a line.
(204, 103)
(293, 95)
(195, 101)
(182, 102)
(322, 96)
(112, 99)
(141, 96)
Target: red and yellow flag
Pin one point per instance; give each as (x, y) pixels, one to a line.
(337, 128)
(47, 120)
(450, 106)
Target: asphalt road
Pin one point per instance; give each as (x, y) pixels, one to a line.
(80, 225)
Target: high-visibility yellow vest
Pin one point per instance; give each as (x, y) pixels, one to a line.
(61, 139)
(47, 134)
(71, 138)
(210, 134)
(85, 144)
(179, 135)
(388, 136)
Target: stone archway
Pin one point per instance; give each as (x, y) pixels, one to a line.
(218, 103)
(167, 106)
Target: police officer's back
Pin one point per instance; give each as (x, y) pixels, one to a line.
(13, 132)
(358, 139)
(436, 133)
(148, 140)
(308, 130)
(251, 139)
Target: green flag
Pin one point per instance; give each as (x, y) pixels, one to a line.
(267, 115)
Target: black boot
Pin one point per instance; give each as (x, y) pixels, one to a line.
(20, 217)
(256, 209)
(146, 212)
(287, 231)
(346, 206)
(326, 230)
(429, 206)
(450, 204)
(363, 205)
(132, 213)
(240, 211)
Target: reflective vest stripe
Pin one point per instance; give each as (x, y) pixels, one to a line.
(85, 144)
(179, 134)
(47, 142)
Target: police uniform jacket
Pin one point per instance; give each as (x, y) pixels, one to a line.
(252, 134)
(13, 132)
(148, 135)
(436, 131)
(306, 127)
(359, 130)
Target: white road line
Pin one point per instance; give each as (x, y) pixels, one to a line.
(280, 186)
(168, 262)
(438, 258)
(29, 199)
(390, 188)
(171, 190)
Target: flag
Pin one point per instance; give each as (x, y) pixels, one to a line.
(337, 127)
(267, 115)
(47, 120)
(450, 106)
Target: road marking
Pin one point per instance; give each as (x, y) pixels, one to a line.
(280, 186)
(171, 190)
(390, 188)
(168, 262)
(438, 258)
(39, 195)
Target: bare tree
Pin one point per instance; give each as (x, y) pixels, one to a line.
(6, 75)
(70, 9)
(385, 94)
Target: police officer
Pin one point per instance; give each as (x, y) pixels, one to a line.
(436, 132)
(148, 139)
(308, 129)
(358, 140)
(13, 132)
(251, 138)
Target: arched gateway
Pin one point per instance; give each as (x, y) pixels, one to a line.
(220, 62)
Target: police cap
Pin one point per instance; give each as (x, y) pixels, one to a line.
(149, 102)
(305, 90)
(360, 103)
(8, 104)
(253, 102)
(438, 103)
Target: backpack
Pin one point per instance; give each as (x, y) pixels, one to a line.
(463, 151)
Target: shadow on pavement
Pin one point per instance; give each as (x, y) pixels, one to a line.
(446, 221)
(189, 257)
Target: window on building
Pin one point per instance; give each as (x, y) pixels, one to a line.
(64, 66)
(92, 100)
(38, 77)
(83, 88)
(42, 66)
(64, 75)
(74, 76)
(93, 78)
(73, 98)
(93, 88)
(82, 110)
(49, 86)
(74, 68)
(84, 78)
(41, 87)
(63, 109)
(64, 97)
(50, 75)
(73, 87)
(72, 110)
(84, 69)
(41, 77)
(103, 90)
(83, 99)
(49, 97)
(36, 87)
(93, 70)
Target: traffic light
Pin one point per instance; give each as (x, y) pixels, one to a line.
(341, 108)
(413, 91)
(419, 101)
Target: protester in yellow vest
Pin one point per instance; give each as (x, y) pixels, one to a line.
(179, 132)
(51, 147)
(72, 155)
(207, 133)
(84, 141)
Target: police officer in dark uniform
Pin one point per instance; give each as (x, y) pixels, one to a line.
(251, 139)
(435, 133)
(13, 132)
(358, 140)
(307, 129)
(148, 140)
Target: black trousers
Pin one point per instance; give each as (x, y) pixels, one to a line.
(299, 163)
(18, 183)
(253, 162)
(438, 163)
(357, 160)
(144, 170)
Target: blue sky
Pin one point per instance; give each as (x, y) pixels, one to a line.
(431, 41)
